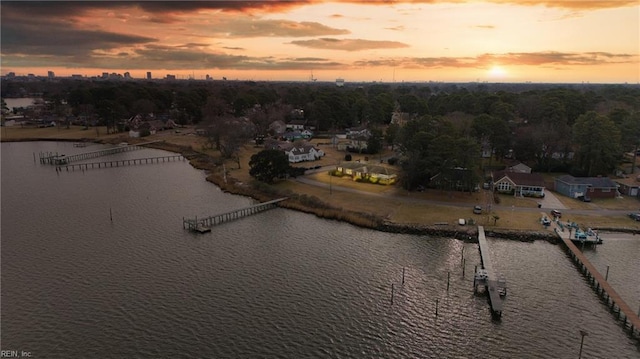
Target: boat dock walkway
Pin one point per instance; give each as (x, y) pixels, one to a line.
(614, 302)
(496, 287)
(57, 159)
(203, 225)
(573, 231)
(119, 163)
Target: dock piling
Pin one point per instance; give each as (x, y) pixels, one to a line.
(402, 275)
(448, 276)
(436, 307)
(392, 293)
(606, 276)
(463, 267)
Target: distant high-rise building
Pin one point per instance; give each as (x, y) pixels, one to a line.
(50, 74)
(340, 82)
(148, 75)
(171, 77)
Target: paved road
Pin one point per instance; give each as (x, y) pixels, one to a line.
(405, 198)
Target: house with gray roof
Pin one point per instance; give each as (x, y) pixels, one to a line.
(593, 187)
(306, 152)
(518, 183)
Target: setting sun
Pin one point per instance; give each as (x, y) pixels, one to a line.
(497, 71)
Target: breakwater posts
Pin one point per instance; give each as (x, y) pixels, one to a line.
(204, 224)
(119, 163)
(57, 159)
(609, 296)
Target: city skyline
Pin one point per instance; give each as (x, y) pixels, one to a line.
(400, 41)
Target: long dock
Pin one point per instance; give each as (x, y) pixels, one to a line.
(203, 225)
(614, 302)
(57, 159)
(119, 163)
(496, 287)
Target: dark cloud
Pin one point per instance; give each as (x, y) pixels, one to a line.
(488, 27)
(348, 44)
(55, 37)
(234, 48)
(395, 28)
(164, 9)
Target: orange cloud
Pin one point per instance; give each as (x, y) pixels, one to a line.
(348, 44)
(549, 58)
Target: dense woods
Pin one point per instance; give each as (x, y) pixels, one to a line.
(581, 129)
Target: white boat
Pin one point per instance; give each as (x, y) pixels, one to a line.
(462, 222)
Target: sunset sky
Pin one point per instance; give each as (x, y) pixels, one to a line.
(595, 41)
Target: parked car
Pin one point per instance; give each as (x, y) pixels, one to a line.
(634, 216)
(477, 210)
(584, 198)
(556, 213)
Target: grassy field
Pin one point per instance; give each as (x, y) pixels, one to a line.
(389, 202)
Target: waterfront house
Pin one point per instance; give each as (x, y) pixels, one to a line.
(518, 183)
(364, 172)
(296, 125)
(629, 186)
(520, 168)
(303, 152)
(592, 187)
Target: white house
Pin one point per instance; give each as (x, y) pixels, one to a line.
(303, 153)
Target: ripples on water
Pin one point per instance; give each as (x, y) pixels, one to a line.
(278, 284)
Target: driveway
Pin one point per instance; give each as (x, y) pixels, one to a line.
(551, 201)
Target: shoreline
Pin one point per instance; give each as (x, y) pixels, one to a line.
(312, 205)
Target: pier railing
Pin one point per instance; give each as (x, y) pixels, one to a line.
(496, 287)
(614, 302)
(204, 223)
(58, 159)
(119, 163)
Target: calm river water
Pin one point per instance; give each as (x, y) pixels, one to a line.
(281, 284)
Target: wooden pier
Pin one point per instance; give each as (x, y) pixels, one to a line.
(58, 159)
(610, 297)
(119, 163)
(203, 225)
(496, 287)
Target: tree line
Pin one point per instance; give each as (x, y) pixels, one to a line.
(581, 129)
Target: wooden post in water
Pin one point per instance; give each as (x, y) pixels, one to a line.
(448, 275)
(391, 293)
(606, 277)
(436, 307)
(110, 215)
(34, 157)
(402, 275)
(463, 267)
(475, 270)
(462, 259)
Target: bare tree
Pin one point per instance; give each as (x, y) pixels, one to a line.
(263, 116)
(235, 132)
(215, 113)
